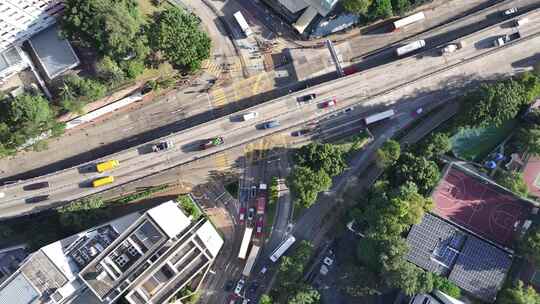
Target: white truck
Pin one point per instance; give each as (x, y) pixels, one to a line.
(410, 47)
(452, 47)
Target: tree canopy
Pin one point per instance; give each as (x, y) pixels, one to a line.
(529, 139)
(113, 27)
(291, 270)
(359, 7)
(265, 299)
(493, 104)
(513, 181)
(518, 295)
(417, 169)
(388, 154)
(177, 34)
(444, 285)
(306, 184)
(435, 145)
(305, 295)
(81, 214)
(530, 245)
(318, 156)
(23, 118)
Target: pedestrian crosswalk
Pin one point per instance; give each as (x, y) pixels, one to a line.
(218, 97)
(212, 68)
(222, 161)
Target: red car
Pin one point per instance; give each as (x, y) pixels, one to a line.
(329, 103)
(242, 215)
(259, 226)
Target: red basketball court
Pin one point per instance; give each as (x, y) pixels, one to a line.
(480, 206)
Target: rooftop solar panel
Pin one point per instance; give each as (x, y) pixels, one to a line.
(471, 263)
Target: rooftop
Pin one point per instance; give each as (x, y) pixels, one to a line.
(473, 264)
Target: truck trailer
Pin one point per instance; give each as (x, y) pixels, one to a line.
(410, 47)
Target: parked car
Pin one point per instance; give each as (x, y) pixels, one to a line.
(306, 98)
(329, 103)
(37, 199)
(162, 146)
(251, 213)
(424, 299)
(36, 186)
(239, 287)
(510, 12)
(271, 124)
(242, 215)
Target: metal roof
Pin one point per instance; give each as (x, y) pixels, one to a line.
(54, 53)
(18, 291)
(473, 264)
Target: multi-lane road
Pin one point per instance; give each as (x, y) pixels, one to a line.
(394, 83)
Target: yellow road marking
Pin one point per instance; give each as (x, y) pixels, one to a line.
(255, 87)
(222, 161)
(218, 97)
(212, 68)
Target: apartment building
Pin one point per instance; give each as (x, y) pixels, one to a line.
(145, 258)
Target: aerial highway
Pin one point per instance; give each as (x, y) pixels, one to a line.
(394, 84)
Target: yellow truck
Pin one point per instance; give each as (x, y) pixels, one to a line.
(102, 181)
(106, 166)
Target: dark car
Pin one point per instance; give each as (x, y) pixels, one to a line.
(300, 132)
(229, 285)
(37, 199)
(212, 142)
(306, 98)
(271, 124)
(36, 186)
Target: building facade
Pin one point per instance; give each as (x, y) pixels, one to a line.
(21, 19)
(145, 258)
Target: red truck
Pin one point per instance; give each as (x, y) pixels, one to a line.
(261, 204)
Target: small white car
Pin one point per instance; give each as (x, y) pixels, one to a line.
(510, 12)
(239, 287)
(250, 116)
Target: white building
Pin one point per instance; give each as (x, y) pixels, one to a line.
(21, 19)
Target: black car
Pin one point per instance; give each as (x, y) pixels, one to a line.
(36, 186)
(300, 132)
(37, 199)
(307, 98)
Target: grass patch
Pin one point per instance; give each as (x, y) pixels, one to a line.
(270, 214)
(232, 188)
(475, 144)
(355, 142)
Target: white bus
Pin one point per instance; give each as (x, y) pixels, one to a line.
(408, 20)
(282, 248)
(251, 260)
(245, 243)
(379, 116)
(410, 47)
(242, 23)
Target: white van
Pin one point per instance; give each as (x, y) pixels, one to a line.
(250, 115)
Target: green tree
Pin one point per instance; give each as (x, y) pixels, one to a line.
(291, 270)
(189, 206)
(113, 27)
(529, 139)
(178, 35)
(513, 181)
(444, 285)
(536, 68)
(380, 9)
(81, 214)
(531, 84)
(108, 70)
(422, 172)
(306, 184)
(76, 92)
(518, 295)
(530, 245)
(388, 154)
(435, 145)
(24, 118)
(305, 295)
(265, 299)
(410, 279)
(359, 7)
(493, 104)
(325, 157)
(401, 6)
